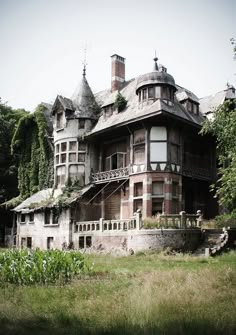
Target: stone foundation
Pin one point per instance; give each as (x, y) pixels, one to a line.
(134, 241)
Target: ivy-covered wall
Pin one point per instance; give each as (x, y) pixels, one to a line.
(31, 143)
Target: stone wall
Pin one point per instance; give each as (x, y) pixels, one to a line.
(39, 232)
(133, 241)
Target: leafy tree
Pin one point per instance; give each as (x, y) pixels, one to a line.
(9, 119)
(223, 128)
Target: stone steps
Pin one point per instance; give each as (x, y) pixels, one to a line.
(213, 243)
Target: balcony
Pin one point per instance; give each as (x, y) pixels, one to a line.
(195, 172)
(117, 174)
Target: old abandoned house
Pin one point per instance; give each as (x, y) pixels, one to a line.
(133, 148)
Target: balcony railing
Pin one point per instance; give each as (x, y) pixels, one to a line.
(121, 173)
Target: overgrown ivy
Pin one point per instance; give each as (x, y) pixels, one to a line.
(30, 143)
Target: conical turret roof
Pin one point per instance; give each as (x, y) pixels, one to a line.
(83, 100)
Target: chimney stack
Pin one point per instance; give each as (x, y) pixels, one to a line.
(117, 72)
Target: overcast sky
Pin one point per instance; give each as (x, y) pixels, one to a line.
(42, 43)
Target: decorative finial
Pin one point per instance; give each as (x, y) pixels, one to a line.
(155, 67)
(84, 62)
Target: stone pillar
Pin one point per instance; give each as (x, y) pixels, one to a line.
(183, 219)
(199, 219)
(138, 218)
(102, 205)
(101, 224)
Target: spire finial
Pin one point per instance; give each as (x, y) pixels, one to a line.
(84, 62)
(155, 67)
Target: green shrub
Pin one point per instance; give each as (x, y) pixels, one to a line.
(151, 223)
(26, 267)
(226, 220)
(120, 102)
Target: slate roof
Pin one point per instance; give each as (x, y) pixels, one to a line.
(135, 111)
(82, 104)
(210, 103)
(184, 94)
(36, 198)
(155, 77)
(49, 198)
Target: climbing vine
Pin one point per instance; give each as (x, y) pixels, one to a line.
(35, 155)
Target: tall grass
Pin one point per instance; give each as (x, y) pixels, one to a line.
(145, 294)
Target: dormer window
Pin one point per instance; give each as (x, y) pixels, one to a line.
(59, 120)
(108, 110)
(192, 107)
(151, 93)
(144, 94)
(156, 92)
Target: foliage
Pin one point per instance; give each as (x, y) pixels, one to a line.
(223, 128)
(26, 267)
(31, 143)
(226, 220)
(9, 119)
(120, 102)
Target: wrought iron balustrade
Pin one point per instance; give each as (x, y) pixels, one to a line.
(121, 173)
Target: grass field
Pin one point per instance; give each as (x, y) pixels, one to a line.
(139, 294)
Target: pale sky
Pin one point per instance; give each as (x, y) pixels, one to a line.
(42, 43)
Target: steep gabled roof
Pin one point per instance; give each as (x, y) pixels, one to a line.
(64, 102)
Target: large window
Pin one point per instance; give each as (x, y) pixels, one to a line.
(138, 189)
(157, 206)
(116, 161)
(60, 175)
(158, 144)
(158, 188)
(139, 146)
(47, 216)
(157, 197)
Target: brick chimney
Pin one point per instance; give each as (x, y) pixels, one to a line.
(117, 72)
